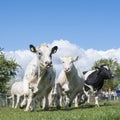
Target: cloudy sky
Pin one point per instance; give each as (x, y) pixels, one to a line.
(65, 47)
(87, 28)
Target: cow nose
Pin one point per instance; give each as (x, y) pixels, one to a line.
(48, 63)
(67, 69)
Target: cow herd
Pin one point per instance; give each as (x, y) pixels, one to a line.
(39, 84)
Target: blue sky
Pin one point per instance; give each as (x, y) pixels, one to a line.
(86, 23)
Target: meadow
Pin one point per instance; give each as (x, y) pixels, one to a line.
(106, 111)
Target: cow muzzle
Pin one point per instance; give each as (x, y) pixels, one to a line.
(67, 70)
(48, 64)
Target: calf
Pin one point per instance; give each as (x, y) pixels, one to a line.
(16, 91)
(39, 76)
(70, 81)
(94, 81)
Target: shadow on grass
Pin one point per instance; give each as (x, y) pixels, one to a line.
(86, 106)
(82, 106)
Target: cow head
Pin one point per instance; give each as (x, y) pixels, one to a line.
(105, 72)
(68, 62)
(44, 54)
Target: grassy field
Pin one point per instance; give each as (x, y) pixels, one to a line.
(106, 111)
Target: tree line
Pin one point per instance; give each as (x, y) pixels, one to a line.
(8, 69)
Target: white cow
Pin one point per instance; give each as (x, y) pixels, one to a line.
(16, 91)
(70, 81)
(39, 76)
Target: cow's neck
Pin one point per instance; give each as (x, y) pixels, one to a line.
(41, 73)
(41, 69)
(100, 78)
(100, 81)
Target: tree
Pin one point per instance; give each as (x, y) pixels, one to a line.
(7, 71)
(115, 68)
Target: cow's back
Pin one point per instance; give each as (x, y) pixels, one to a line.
(17, 88)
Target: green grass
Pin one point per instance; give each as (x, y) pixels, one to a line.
(108, 111)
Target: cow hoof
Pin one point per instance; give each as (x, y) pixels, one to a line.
(76, 106)
(22, 106)
(26, 110)
(15, 107)
(35, 91)
(69, 105)
(32, 110)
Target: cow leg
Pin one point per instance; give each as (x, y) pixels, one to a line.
(58, 101)
(29, 101)
(58, 98)
(88, 100)
(76, 101)
(41, 102)
(17, 102)
(61, 100)
(51, 99)
(67, 102)
(13, 101)
(33, 104)
(45, 102)
(36, 100)
(24, 102)
(82, 98)
(35, 88)
(72, 97)
(87, 96)
(96, 101)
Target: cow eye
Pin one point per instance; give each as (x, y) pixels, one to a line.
(39, 53)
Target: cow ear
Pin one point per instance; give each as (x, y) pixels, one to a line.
(54, 49)
(75, 58)
(32, 48)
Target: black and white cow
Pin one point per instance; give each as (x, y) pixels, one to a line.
(94, 81)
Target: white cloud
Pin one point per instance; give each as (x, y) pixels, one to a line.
(86, 57)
